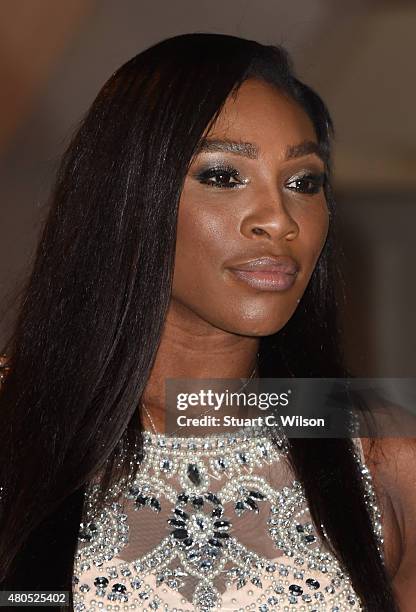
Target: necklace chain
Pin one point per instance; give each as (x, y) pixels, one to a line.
(147, 413)
(149, 416)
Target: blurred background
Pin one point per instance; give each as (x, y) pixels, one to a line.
(358, 55)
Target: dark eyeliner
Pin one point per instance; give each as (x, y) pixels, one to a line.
(316, 179)
(204, 176)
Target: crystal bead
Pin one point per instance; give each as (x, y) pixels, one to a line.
(154, 504)
(183, 498)
(199, 539)
(180, 534)
(295, 589)
(198, 502)
(194, 474)
(312, 583)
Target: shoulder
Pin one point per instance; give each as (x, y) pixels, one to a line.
(392, 463)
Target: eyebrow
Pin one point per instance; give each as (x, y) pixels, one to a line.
(250, 150)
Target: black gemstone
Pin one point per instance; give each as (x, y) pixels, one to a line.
(181, 513)
(119, 588)
(299, 528)
(221, 524)
(84, 536)
(205, 565)
(263, 450)
(217, 512)
(134, 491)
(200, 524)
(193, 474)
(176, 522)
(256, 495)
(194, 555)
(213, 499)
(241, 583)
(154, 504)
(295, 589)
(198, 502)
(101, 581)
(188, 541)
(309, 538)
(141, 500)
(180, 534)
(314, 584)
(240, 506)
(214, 542)
(221, 464)
(183, 498)
(251, 504)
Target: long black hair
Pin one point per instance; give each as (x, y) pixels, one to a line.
(92, 313)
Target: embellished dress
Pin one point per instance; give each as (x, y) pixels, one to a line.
(212, 523)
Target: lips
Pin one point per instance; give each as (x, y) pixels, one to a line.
(276, 273)
(279, 263)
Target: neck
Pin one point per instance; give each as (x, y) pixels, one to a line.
(195, 352)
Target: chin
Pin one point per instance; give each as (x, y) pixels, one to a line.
(255, 328)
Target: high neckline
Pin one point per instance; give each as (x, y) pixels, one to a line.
(211, 441)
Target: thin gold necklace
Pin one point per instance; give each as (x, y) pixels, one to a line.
(152, 424)
(147, 413)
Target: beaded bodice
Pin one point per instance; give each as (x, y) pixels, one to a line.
(211, 523)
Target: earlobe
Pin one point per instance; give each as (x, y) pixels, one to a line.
(4, 368)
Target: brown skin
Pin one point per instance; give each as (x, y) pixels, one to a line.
(214, 321)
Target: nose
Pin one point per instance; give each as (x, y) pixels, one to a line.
(272, 219)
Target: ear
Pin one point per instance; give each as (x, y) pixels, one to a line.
(4, 368)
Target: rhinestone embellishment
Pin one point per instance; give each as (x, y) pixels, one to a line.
(201, 488)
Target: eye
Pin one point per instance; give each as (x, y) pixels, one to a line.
(223, 177)
(308, 183)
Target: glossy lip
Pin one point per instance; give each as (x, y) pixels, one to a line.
(269, 273)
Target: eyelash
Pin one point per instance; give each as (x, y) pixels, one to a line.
(317, 180)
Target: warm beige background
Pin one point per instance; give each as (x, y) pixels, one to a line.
(359, 55)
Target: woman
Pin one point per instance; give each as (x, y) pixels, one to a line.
(199, 155)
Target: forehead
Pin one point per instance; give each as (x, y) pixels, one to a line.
(261, 114)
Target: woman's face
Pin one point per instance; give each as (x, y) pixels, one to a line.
(253, 191)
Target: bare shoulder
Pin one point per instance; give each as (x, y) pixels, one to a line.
(392, 463)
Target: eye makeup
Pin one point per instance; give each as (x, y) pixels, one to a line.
(308, 182)
(221, 175)
(226, 176)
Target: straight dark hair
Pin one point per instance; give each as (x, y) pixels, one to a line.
(93, 309)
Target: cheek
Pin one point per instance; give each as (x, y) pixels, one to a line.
(203, 241)
(313, 230)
